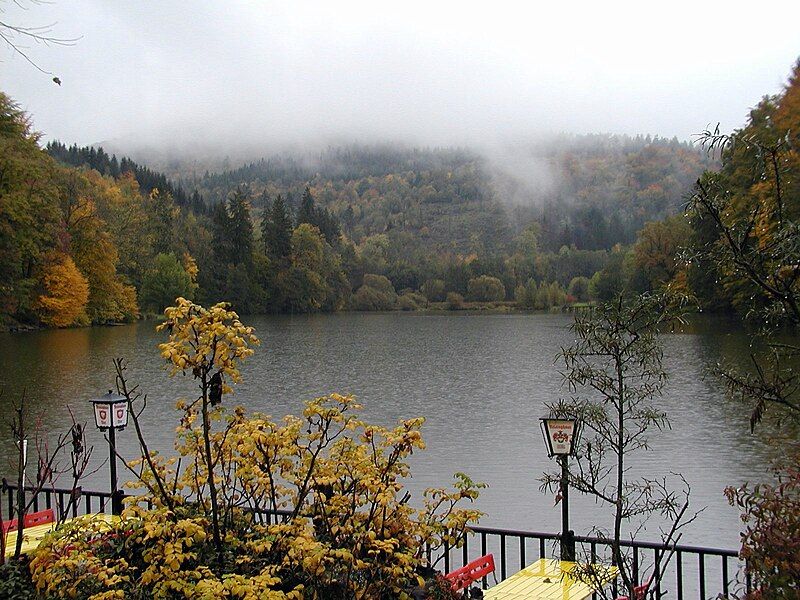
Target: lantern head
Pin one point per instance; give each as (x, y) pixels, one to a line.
(560, 436)
(110, 410)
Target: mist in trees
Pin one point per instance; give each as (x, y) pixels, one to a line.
(290, 235)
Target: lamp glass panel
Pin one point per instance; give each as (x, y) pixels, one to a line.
(120, 414)
(560, 433)
(102, 415)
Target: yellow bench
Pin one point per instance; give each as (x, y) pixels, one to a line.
(549, 579)
(32, 536)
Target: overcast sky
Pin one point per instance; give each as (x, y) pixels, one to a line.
(433, 72)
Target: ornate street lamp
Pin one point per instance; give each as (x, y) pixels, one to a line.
(560, 436)
(111, 414)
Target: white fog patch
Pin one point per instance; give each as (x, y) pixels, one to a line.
(247, 78)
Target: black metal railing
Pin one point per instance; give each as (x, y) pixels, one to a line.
(66, 503)
(692, 572)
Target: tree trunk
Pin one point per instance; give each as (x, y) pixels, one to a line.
(212, 488)
(617, 550)
(20, 478)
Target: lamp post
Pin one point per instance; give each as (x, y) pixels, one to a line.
(111, 413)
(560, 436)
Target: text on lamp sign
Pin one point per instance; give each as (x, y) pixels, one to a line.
(561, 433)
(105, 412)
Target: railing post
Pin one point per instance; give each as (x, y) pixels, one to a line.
(701, 558)
(117, 497)
(568, 545)
(503, 572)
(748, 578)
(725, 576)
(567, 535)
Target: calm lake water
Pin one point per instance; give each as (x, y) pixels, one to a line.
(480, 380)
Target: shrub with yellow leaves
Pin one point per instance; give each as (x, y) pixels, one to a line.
(209, 343)
(348, 528)
(351, 531)
(205, 341)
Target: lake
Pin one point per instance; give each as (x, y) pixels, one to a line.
(480, 380)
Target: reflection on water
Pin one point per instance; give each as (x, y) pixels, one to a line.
(481, 382)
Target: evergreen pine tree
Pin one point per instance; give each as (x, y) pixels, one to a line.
(349, 218)
(220, 234)
(308, 210)
(321, 218)
(277, 231)
(161, 208)
(241, 228)
(329, 226)
(266, 222)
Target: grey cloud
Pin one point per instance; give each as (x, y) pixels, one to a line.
(253, 77)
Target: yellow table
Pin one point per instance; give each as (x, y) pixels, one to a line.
(32, 536)
(549, 579)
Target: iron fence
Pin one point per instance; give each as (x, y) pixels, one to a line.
(66, 503)
(693, 571)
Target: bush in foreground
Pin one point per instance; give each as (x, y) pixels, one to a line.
(350, 531)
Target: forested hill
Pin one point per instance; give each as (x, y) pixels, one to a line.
(597, 191)
(435, 200)
(608, 187)
(89, 238)
(105, 164)
(344, 162)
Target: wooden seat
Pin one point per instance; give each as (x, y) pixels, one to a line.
(639, 592)
(552, 579)
(470, 573)
(9, 525)
(32, 536)
(39, 518)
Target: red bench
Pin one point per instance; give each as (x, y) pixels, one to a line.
(9, 525)
(639, 592)
(30, 520)
(39, 518)
(470, 573)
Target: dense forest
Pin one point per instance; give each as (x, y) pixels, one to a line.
(606, 188)
(755, 212)
(92, 238)
(148, 180)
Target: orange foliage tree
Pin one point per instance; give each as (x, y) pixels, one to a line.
(66, 293)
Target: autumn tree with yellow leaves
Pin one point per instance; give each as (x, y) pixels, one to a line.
(746, 218)
(66, 293)
(746, 242)
(343, 526)
(209, 344)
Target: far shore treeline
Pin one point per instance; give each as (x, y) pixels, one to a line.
(87, 238)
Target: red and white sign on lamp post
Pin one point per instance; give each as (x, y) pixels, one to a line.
(111, 414)
(560, 436)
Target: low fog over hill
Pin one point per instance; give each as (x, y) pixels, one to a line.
(238, 78)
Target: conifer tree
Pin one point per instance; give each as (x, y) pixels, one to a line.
(308, 209)
(321, 218)
(163, 213)
(276, 230)
(221, 236)
(240, 228)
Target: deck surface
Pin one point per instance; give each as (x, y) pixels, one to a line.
(549, 579)
(32, 536)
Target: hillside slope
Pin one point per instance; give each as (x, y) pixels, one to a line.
(600, 191)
